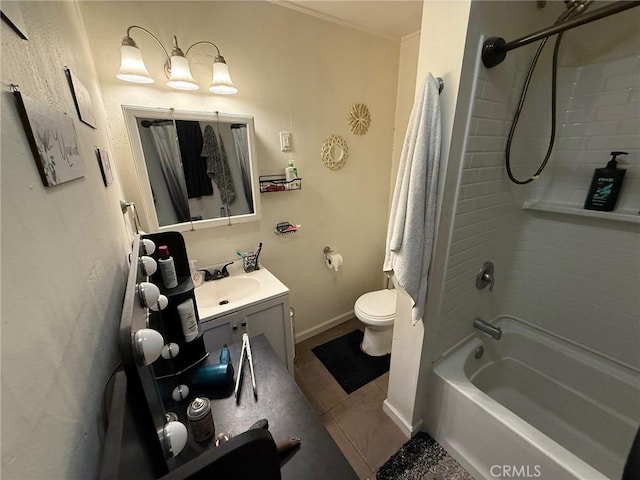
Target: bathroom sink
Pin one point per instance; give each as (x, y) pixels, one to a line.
(238, 291)
(226, 291)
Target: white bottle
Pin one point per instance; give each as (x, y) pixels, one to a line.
(196, 276)
(167, 267)
(291, 174)
(187, 314)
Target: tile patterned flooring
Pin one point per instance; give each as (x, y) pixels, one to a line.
(364, 433)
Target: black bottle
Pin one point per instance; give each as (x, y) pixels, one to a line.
(605, 186)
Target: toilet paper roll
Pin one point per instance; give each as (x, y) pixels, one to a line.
(334, 260)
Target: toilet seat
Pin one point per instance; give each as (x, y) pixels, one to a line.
(377, 308)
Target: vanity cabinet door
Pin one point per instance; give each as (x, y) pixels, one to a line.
(272, 319)
(225, 330)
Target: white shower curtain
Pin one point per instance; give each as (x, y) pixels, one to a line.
(165, 140)
(241, 142)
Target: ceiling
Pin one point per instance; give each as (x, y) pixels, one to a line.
(391, 18)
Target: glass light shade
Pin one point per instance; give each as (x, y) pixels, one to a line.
(149, 344)
(132, 68)
(149, 293)
(175, 438)
(147, 247)
(161, 304)
(148, 265)
(221, 79)
(181, 77)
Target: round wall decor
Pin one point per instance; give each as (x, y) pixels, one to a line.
(334, 152)
(359, 119)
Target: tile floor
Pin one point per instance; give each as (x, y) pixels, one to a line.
(364, 433)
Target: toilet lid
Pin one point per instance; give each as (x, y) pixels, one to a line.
(378, 304)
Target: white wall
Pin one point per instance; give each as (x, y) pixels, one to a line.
(441, 52)
(63, 263)
(297, 73)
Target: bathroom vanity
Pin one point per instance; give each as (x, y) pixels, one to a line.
(150, 435)
(254, 303)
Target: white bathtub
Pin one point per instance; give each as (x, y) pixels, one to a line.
(533, 406)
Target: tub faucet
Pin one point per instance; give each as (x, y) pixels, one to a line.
(486, 327)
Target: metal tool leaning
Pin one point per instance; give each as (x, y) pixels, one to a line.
(245, 353)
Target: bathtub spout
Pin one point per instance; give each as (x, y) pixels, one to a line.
(486, 327)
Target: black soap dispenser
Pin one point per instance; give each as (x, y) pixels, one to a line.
(605, 186)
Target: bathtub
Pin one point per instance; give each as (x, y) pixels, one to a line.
(533, 406)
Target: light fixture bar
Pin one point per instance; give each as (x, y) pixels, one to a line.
(133, 69)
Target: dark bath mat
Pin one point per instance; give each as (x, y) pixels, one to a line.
(346, 362)
(422, 458)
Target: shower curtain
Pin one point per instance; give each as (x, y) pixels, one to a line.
(166, 143)
(241, 142)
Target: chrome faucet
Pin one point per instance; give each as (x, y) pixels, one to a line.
(486, 327)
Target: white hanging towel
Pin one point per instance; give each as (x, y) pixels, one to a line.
(413, 209)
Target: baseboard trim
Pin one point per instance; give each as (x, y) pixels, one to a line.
(406, 428)
(324, 326)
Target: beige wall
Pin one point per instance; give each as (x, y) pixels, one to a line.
(297, 73)
(63, 262)
(409, 48)
(444, 25)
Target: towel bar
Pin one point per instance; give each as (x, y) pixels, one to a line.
(440, 84)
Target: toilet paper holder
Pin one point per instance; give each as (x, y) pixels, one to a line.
(332, 259)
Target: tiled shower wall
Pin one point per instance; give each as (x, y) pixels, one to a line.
(485, 219)
(575, 276)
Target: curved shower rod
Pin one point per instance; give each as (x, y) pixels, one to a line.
(494, 49)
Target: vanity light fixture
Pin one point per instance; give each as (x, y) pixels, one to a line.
(133, 69)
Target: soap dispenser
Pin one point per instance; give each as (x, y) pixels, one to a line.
(605, 186)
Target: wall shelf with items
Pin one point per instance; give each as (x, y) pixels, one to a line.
(627, 216)
(167, 321)
(278, 183)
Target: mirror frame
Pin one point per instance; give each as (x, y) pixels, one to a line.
(147, 211)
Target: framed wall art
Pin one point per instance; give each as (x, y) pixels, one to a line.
(53, 140)
(81, 98)
(11, 13)
(105, 166)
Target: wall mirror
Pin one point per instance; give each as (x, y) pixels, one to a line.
(195, 169)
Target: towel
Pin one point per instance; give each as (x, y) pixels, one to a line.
(217, 165)
(413, 209)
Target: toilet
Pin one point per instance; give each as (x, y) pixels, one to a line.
(377, 310)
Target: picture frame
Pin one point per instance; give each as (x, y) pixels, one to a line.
(53, 141)
(11, 13)
(105, 166)
(81, 98)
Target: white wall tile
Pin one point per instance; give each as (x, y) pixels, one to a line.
(579, 278)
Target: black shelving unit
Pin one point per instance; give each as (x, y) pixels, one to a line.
(167, 321)
(152, 386)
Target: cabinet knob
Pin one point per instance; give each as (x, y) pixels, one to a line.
(235, 328)
(244, 324)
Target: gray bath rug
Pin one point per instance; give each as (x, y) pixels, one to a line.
(422, 458)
